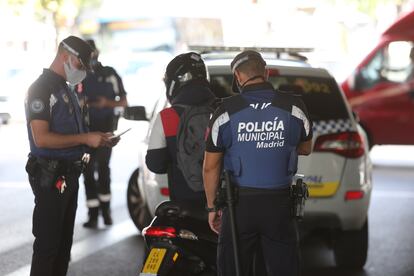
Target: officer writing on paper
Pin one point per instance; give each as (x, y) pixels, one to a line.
(104, 92)
(256, 136)
(58, 140)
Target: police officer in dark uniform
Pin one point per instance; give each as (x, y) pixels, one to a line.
(58, 138)
(103, 91)
(258, 135)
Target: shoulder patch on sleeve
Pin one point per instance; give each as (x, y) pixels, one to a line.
(37, 105)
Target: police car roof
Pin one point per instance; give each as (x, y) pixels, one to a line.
(287, 60)
(285, 67)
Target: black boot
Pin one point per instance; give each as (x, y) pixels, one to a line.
(93, 218)
(106, 213)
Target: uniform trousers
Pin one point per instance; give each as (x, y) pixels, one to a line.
(265, 224)
(53, 222)
(98, 188)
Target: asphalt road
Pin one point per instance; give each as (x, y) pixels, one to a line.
(118, 250)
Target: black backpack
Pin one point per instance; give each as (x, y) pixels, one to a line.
(191, 143)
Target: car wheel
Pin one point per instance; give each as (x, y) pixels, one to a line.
(138, 209)
(351, 247)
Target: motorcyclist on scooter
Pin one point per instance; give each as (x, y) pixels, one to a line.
(179, 239)
(186, 86)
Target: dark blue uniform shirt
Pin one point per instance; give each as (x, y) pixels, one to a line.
(259, 131)
(103, 82)
(50, 99)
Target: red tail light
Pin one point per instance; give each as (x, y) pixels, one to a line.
(353, 195)
(273, 72)
(165, 191)
(347, 144)
(159, 231)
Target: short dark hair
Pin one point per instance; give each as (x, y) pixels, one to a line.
(252, 68)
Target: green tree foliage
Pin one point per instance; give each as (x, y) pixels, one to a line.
(62, 13)
(15, 5)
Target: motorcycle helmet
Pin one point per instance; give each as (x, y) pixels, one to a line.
(181, 70)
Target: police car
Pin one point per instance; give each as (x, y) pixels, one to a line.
(338, 172)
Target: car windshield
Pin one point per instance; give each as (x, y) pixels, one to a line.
(321, 95)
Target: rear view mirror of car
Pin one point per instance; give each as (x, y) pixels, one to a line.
(135, 113)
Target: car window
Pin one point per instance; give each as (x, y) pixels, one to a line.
(398, 65)
(389, 64)
(371, 74)
(321, 95)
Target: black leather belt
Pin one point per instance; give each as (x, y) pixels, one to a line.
(63, 166)
(258, 191)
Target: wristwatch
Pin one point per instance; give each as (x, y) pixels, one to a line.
(213, 209)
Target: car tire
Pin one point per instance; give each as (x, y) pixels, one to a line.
(351, 248)
(137, 207)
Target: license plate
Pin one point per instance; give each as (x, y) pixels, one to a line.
(154, 260)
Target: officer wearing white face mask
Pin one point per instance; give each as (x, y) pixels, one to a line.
(57, 137)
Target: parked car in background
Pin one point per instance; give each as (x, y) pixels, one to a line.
(4, 109)
(338, 172)
(381, 88)
(15, 81)
(5, 106)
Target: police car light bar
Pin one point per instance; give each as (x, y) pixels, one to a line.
(277, 50)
